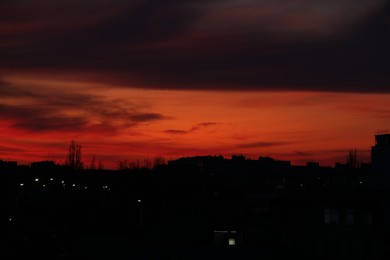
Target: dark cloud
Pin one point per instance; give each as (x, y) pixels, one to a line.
(39, 119)
(193, 129)
(283, 45)
(146, 117)
(261, 144)
(176, 132)
(41, 110)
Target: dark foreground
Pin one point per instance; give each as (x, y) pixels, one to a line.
(213, 210)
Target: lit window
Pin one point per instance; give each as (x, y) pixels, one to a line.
(232, 241)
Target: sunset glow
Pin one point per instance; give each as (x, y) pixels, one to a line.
(300, 81)
(115, 123)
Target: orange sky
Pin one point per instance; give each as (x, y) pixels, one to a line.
(42, 115)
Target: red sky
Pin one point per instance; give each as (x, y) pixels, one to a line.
(300, 81)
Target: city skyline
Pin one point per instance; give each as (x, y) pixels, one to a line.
(300, 81)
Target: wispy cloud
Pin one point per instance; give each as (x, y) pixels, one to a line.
(262, 144)
(192, 129)
(46, 109)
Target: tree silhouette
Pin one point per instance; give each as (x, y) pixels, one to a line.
(158, 160)
(73, 158)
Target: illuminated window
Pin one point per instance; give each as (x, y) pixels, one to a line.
(232, 241)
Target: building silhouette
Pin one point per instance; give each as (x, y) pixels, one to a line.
(380, 159)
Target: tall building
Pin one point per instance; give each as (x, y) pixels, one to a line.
(380, 153)
(380, 161)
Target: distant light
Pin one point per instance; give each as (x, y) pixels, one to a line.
(74, 185)
(85, 187)
(232, 241)
(139, 201)
(36, 180)
(62, 182)
(51, 179)
(43, 185)
(361, 182)
(10, 219)
(22, 184)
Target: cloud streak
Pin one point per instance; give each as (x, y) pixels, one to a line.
(44, 110)
(261, 144)
(192, 129)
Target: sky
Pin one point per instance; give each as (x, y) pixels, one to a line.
(303, 80)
